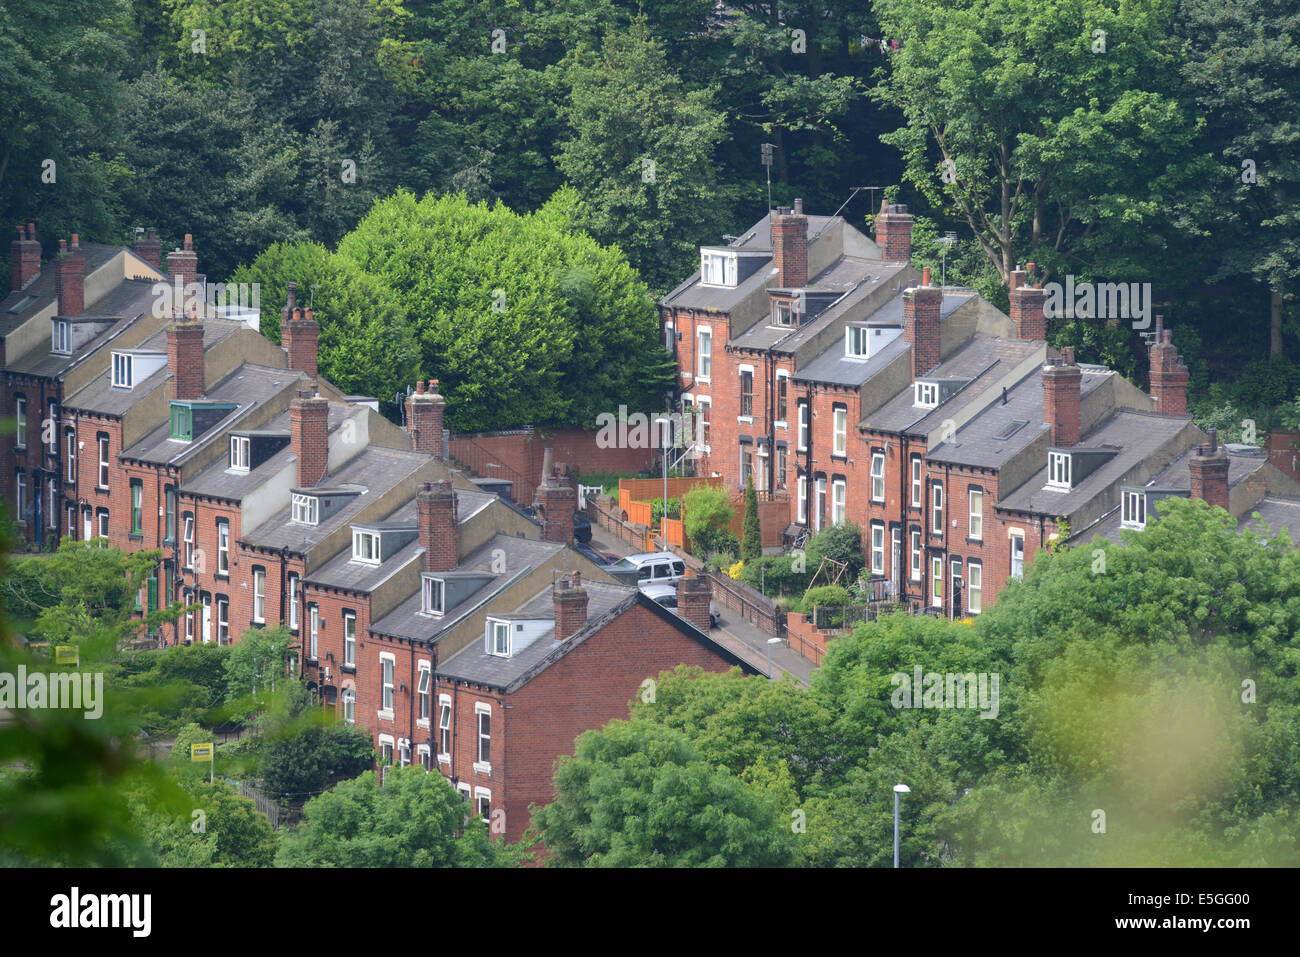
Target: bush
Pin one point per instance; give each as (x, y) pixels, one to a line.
(775, 574)
(827, 595)
(841, 543)
(751, 543)
(708, 511)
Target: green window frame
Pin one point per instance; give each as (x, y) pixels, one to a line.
(169, 525)
(137, 507)
(182, 422)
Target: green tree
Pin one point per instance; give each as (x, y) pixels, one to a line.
(416, 819)
(258, 663)
(706, 516)
(751, 534)
(838, 543)
(641, 795)
(642, 155)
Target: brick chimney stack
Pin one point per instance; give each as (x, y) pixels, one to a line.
(1028, 306)
(1168, 374)
(439, 537)
(184, 262)
(558, 501)
(309, 417)
(24, 256)
(185, 357)
(1209, 472)
(424, 412)
(921, 308)
(72, 278)
(894, 233)
(693, 595)
(570, 606)
(1062, 399)
(300, 334)
(148, 248)
(790, 247)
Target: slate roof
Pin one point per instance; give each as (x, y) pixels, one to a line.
(100, 396)
(121, 306)
(1277, 512)
(982, 359)
(249, 386)
(977, 444)
(45, 287)
(520, 555)
(1132, 435)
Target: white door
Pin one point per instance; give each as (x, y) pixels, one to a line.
(86, 527)
(896, 561)
(820, 505)
(207, 618)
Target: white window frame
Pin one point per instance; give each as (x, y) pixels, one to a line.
(102, 443)
(360, 552)
(444, 729)
(918, 482)
(1017, 555)
(704, 355)
(223, 547)
(101, 518)
(313, 630)
(433, 596)
(51, 510)
(20, 414)
(717, 269)
(936, 581)
(974, 587)
(387, 751)
(975, 524)
(482, 711)
(223, 620)
(20, 495)
(1134, 513)
(744, 371)
(877, 548)
(424, 757)
(916, 565)
(122, 371)
(782, 381)
(819, 502)
(348, 697)
(293, 601)
(495, 627)
(259, 595)
(1058, 471)
(839, 501)
(350, 639)
(423, 693)
(936, 508)
(306, 509)
(388, 682)
(877, 476)
(187, 523)
(925, 395)
(72, 455)
(61, 337)
(189, 617)
(840, 431)
(52, 407)
(481, 795)
(240, 453)
(863, 336)
(72, 520)
(803, 498)
(802, 414)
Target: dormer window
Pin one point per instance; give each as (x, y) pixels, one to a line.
(499, 638)
(182, 419)
(435, 596)
(306, 508)
(239, 452)
(1134, 513)
(856, 342)
(122, 378)
(365, 547)
(717, 269)
(61, 339)
(1058, 470)
(926, 395)
(783, 314)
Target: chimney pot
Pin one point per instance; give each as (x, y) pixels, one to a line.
(300, 334)
(24, 257)
(925, 276)
(570, 600)
(183, 264)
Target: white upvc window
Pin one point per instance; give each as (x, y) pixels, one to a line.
(841, 431)
(877, 549)
(223, 621)
(1058, 470)
(1135, 510)
(293, 602)
(387, 664)
(717, 269)
(803, 426)
(223, 548)
(349, 638)
(976, 527)
(313, 629)
(259, 595)
(856, 345)
(422, 754)
(20, 494)
(103, 461)
(189, 541)
(926, 395)
(1017, 556)
(385, 755)
(916, 556)
(435, 596)
(704, 354)
(239, 452)
(20, 414)
(483, 713)
(122, 371)
(975, 599)
(189, 618)
(72, 521)
(917, 482)
(404, 753)
(936, 513)
(349, 706)
(483, 804)
(103, 522)
(877, 476)
(51, 427)
(444, 728)
(365, 547)
(61, 340)
(51, 509)
(72, 455)
(936, 587)
(305, 509)
(499, 638)
(803, 498)
(424, 693)
(838, 502)
(819, 502)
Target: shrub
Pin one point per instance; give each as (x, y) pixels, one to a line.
(827, 595)
(841, 543)
(751, 542)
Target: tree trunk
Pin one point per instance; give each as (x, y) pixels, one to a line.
(1275, 326)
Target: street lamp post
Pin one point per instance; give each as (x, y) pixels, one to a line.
(770, 643)
(899, 789)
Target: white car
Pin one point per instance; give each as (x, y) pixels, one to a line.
(660, 568)
(666, 595)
